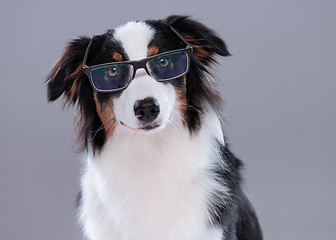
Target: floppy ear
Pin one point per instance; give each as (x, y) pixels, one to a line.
(199, 88)
(67, 75)
(204, 40)
(68, 78)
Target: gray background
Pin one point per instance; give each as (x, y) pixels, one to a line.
(280, 96)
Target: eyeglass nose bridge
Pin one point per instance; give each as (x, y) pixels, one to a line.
(141, 64)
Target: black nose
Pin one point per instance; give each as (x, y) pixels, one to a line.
(147, 110)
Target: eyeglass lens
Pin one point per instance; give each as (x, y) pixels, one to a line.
(118, 76)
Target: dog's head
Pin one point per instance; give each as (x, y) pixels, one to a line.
(139, 77)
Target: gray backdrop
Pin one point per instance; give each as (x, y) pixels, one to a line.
(279, 87)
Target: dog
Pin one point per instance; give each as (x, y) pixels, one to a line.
(149, 119)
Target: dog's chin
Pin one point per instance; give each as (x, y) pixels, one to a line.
(150, 128)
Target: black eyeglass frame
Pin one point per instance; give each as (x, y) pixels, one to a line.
(136, 64)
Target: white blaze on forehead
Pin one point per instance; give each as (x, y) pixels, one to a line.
(135, 38)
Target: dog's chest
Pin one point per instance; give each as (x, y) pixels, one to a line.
(150, 190)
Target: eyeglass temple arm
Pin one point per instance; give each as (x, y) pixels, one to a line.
(181, 37)
(87, 52)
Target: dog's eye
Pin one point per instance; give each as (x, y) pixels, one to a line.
(112, 71)
(163, 62)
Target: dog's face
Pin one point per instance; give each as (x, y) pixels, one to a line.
(144, 105)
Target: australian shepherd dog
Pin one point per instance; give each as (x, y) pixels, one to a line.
(149, 120)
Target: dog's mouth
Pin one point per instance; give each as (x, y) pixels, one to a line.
(147, 127)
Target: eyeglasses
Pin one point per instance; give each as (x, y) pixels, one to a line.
(114, 76)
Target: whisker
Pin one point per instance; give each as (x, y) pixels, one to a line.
(180, 117)
(103, 126)
(192, 107)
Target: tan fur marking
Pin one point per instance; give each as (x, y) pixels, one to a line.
(201, 53)
(72, 93)
(117, 57)
(153, 51)
(106, 115)
(191, 38)
(78, 72)
(198, 50)
(181, 99)
(74, 89)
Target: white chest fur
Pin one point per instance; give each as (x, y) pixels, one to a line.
(149, 187)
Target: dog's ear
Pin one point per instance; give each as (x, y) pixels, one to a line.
(205, 41)
(206, 44)
(67, 74)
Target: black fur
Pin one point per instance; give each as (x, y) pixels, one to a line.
(237, 218)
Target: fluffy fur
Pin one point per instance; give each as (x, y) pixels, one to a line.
(176, 180)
